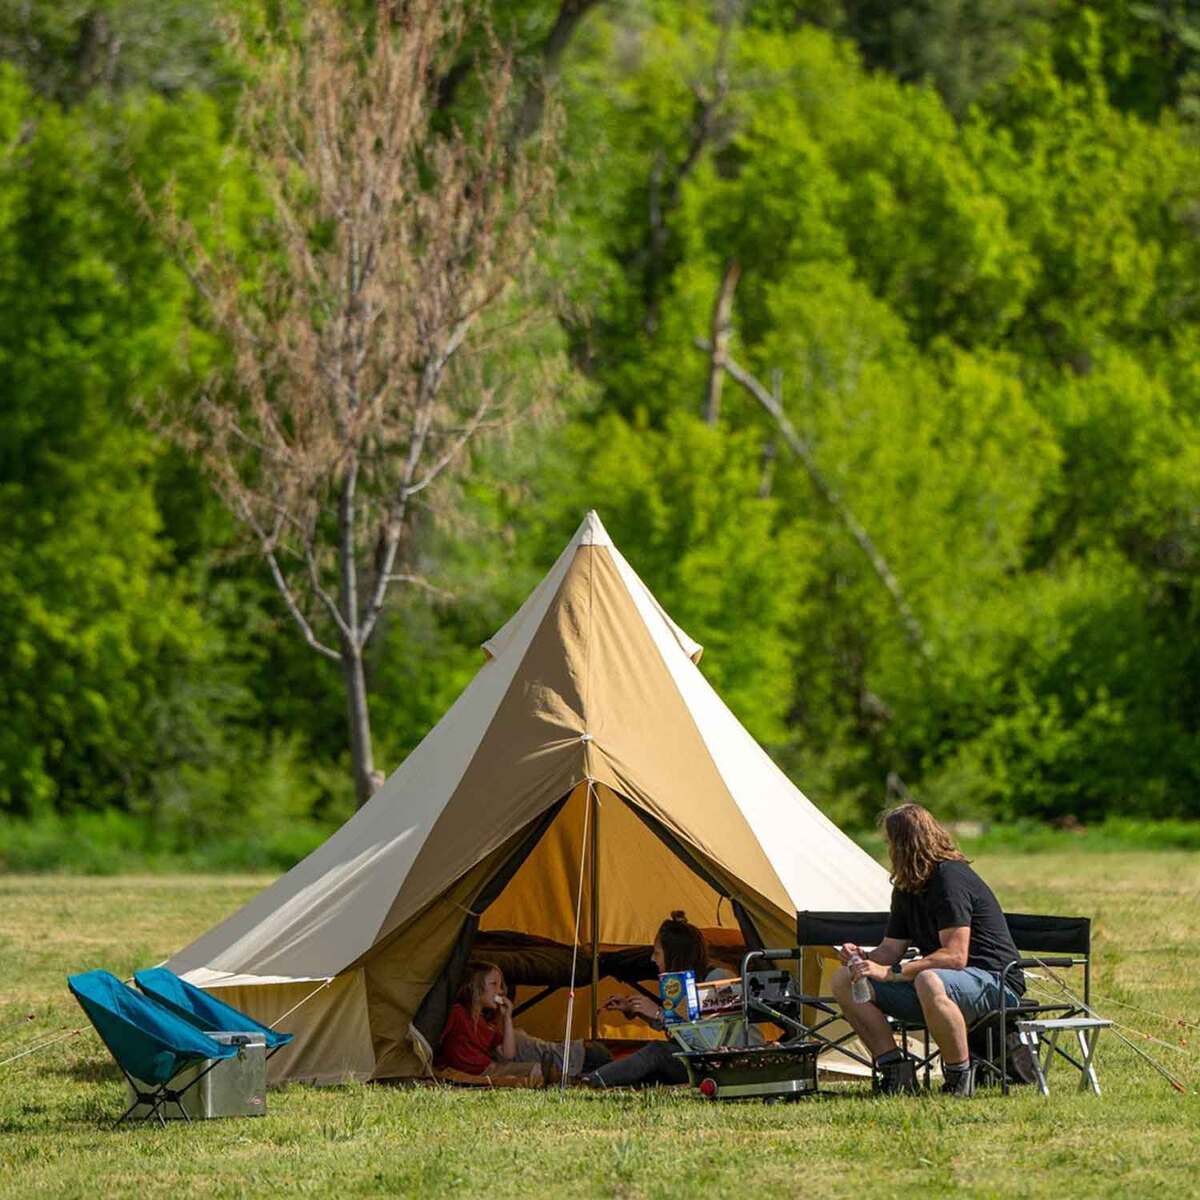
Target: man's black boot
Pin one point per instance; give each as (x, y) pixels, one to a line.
(959, 1081)
(895, 1075)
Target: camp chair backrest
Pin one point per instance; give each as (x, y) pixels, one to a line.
(200, 1009)
(833, 928)
(1050, 935)
(1030, 932)
(147, 1041)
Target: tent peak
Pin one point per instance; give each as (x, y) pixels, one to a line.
(592, 532)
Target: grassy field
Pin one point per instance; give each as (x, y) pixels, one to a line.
(1139, 1138)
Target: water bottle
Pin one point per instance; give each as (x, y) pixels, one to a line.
(860, 989)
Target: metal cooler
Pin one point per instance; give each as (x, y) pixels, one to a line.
(234, 1087)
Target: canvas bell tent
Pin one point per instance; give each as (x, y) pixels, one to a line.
(586, 782)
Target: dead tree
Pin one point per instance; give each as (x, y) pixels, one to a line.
(359, 374)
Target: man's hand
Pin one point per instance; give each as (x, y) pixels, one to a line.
(866, 968)
(847, 950)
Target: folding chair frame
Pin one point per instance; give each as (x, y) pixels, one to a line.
(162, 1095)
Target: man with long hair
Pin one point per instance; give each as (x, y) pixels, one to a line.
(941, 906)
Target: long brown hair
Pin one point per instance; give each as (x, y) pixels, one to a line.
(683, 945)
(470, 994)
(917, 842)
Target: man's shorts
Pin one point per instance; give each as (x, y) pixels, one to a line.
(973, 989)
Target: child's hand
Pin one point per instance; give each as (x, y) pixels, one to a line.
(620, 1003)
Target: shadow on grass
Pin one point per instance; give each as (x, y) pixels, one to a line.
(86, 1070)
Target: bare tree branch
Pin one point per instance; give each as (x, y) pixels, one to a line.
(665, 188)
(830, 494)
(289, 599)
(722, 327)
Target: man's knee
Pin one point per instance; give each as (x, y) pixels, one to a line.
(929, 987)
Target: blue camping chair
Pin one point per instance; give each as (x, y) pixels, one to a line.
(149, 1043)
(202, 1010)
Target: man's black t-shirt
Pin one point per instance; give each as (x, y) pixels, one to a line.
(956, 896)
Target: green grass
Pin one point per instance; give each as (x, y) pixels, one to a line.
(1138, 1139)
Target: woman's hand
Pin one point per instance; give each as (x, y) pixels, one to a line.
(642, 1006)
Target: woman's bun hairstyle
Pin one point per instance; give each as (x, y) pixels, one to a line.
(683, 945)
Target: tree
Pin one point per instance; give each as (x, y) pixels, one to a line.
(359, 342)
(102, 637)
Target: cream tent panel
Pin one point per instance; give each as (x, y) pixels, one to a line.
(816, 864)
(333, 1036)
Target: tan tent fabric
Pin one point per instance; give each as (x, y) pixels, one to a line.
(589, 683)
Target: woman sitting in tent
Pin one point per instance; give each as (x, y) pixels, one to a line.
(679, 946)
(480, 1038)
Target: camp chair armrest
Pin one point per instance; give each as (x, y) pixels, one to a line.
(1059, 960)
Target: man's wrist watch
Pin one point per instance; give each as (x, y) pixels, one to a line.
(898, 970)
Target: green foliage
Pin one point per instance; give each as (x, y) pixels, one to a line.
(969, 251)
(70, 47)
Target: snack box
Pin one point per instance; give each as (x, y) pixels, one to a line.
(677, 993)
(719, 996)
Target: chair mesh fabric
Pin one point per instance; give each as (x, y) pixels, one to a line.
(201, 1010)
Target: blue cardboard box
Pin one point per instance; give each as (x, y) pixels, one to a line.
(677, 993)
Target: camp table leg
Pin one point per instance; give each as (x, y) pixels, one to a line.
(1043, 1052)
(1051, 1051)
(1087, 1048)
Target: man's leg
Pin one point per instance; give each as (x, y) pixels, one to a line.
(943, 1017)
(865, 1019)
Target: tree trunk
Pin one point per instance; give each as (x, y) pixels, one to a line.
(358, 713)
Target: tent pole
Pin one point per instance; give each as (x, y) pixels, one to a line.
(595, 904)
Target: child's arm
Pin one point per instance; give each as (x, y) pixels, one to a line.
(507, 1048)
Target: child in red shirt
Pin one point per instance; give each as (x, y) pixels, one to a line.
(479, 1038)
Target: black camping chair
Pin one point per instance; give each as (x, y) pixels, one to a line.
(1047, 941)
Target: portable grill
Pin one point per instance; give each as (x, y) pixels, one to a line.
(786, 1069)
